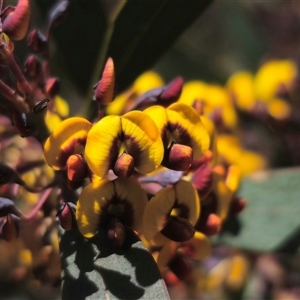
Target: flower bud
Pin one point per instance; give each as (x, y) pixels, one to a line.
(32, 66)
(66, 216)
(104, 89)
(52, 87)
(16, 20)
(202, 180)
(40, 106)
(36, 41)
(7, 207)
(178, 157)
(59, 14)
(116, 233)
(124, 166)
(171, 92)
(10, 227)
(237, 205)
(76, 168)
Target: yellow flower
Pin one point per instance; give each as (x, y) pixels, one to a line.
(179, 124)
(172, 212)
(104, 201)
(132, 138)
(68, 138)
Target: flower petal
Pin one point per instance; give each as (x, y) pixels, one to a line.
(142, 141)
(68, 138)
(186, 120)
(92, 199)
(187, 195)
(101, 148)
(157, 212)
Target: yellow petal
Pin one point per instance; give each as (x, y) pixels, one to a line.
(279, 109)
(193, 90)
(61, 106)
(187, 195)
(166, 253)
(142, 141)
(147, 81)
(102, 145)
(157, 212)
(183, 116)
(92, 199)
(128, 189)
(68, 138)
(270, 75)
(241, 86)
(233, 178)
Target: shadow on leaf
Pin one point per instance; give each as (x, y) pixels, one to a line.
(120, 285)
(79, 288)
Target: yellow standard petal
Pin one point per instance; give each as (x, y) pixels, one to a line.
(187, 196)
(93, 198)
(104, 200)
(102, 146)
(157, 212)
(142, 141)
(185, 118)
(68, 138)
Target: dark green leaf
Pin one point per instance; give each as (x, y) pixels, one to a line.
(94, 269)
(143, 31)
(270, 221)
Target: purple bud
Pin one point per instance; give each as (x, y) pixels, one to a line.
(52, 87)
(32, 66)
(36, 41)
(10, 227)
(6, 207)
(16, 20)
(66, 216)
(171, 92)
(202, 179)
(59, 13)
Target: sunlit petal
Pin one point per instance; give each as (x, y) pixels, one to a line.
(142, 141)
(68, 138)
(92, 199)
(102, 144)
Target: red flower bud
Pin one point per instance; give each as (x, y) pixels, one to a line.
(104, 89)
(36, 41)
(171, 92)
(52, 87)
(66, 216)
(76, 168)
(32, 66)
(16, 21)
(10, 227)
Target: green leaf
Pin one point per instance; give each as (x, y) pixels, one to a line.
(143, 31)
(270, 221)
(94, 269)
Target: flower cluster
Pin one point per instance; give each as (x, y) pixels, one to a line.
(162, 160)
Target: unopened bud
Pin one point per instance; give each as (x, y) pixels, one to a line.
(104, 89)
(171, 91)
(16, 20)
(52, 87)
(124, 166)
(237, 205)
(202, 180)
(209, 223)
(178, 157)
(66, 216)
(36, 41)
(116, 233)
(10, 227)
(32, 66)
(40, 106)
(7, 207)
(76, 168)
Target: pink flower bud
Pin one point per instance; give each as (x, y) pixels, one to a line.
(104, 89)
(171, 92)
(124, 166)
(66, 216)
(32, 66)
(16, 21)
(52, 87)
(76, 168)
(10, 227)
(36, 41)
